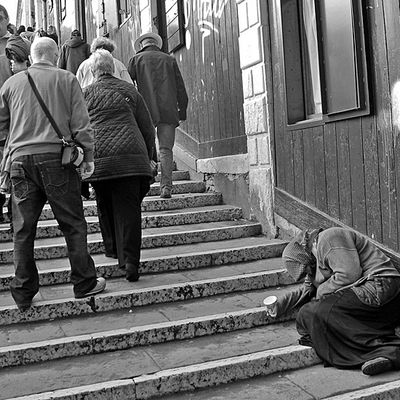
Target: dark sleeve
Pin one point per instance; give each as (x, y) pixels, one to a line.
(181, 93)
(132, 69)
(62, 61)
(145, 123)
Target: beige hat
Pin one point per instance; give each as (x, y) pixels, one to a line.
(148, 35)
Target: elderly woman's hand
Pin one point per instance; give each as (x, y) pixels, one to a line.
(87, 169)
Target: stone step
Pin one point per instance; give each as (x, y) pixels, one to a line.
(176, 176)
(150, 219)
(179, 187)
(58, 301)
(151, 237)
(143, 372)
(179, 201)
(183, 257)
(116, 330)
(310, 383)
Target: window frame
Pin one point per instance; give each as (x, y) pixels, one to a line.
(127, 11)
(295, 96)
(162, 26)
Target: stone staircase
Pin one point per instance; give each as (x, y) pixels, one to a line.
(194, 320)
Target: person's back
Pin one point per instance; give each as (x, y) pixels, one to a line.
(156, 75)
(35, 162)
(73, 52)
(160, 83)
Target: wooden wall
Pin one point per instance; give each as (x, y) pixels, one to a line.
(209, 63)
(210, 66)
(348, 170)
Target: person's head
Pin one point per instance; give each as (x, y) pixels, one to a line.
(44, 49)
(103, 43)
(148, 39)
(20, 29)
(4, 20)
(29, 29)
(51, 30)
(298, 257)
(17, 51)
(75, 33)
(101, 63)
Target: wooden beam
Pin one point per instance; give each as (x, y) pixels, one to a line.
(305, 216)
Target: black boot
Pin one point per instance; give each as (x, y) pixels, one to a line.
(132, 272)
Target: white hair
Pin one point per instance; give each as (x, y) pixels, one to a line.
(101, 62)
(43, 48)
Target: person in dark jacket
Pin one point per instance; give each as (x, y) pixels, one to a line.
(73, 52)
(352, 319)
(160, 82)
(124, 144)
(52, 33)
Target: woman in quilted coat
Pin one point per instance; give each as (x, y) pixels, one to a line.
(124, 145)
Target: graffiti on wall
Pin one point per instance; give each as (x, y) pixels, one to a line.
(206, 12)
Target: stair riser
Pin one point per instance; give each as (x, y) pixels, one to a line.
(142, 297)
(147, 222)
(179, 188)
(207, 374)
(144, 336)
(148, 242)
(156, 204)
(176, 176)
(166, 264)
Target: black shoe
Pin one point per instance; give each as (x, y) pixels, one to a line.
(377, 366)
(24, 307)
(111, 255)
(132, 272)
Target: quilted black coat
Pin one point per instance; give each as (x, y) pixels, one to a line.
(124, 131)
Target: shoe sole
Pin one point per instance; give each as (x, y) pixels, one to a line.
(92, 292)
(377, 367)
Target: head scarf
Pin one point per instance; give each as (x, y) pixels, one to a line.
(297, 255)
(17, 47)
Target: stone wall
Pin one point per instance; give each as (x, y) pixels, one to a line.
(257, 88)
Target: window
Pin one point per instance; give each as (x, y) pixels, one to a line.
(325, 61)
(124, 11)
(173, 23)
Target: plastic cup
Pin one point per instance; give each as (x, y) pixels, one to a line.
(270, 303)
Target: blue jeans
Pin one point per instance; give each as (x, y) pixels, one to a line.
(35, 179)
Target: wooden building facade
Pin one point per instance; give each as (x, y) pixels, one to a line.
(336, 144)
(293, 101)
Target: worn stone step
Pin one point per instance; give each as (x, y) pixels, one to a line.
(183, 257)
(143, 372)
(311, 383)
(32, 342)
(150, 219)
(176, 176)
(179, 201)
(57, 301)
(151, 237)
(179, 187)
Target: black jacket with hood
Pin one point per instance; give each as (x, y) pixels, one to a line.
(73, 52)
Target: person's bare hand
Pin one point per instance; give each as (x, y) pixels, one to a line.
(87, 169)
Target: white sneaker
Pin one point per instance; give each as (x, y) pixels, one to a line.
(100, 286)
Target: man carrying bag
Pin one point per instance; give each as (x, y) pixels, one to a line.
(37, 174)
